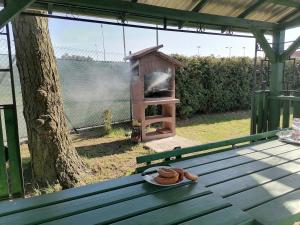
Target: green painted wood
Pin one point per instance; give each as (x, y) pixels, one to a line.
(281, 211)
(289, 3)
(200, 5)
(267, 192)
(134, 207)
(259, 35)
(74, 207)
(227, 154)
(12, 9)
(286, 114)
(159, 12)
(245, 169)
(177, 213)
(296, 106)
(15, 164)
(291, 24)
(241, 160)
(228, 216)
(290, 50)
(253, 126)
(19, 205)
(260, 111)
(285, 98)
(199, 148)
(243, 183)
(266, 104)
(252, 8)
(276, 79)
(3, 173)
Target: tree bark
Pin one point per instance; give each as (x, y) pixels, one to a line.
(53, 157)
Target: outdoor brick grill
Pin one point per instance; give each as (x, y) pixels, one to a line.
(153, 84)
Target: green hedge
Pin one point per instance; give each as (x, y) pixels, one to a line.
(209, 84)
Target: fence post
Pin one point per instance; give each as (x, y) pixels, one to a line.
(296, 105)
(253, 114)
(15, 165)
(286, 113)
(3, 172)
(260, 111)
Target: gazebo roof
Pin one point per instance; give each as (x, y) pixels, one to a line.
(225, 15)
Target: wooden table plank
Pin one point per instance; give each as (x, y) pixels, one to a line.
(280, 211)
(177, 213)
(104, 214)
(231, 162)
(237, 185)
(228, 154)
(266, 192)
(228, 216)
(245, 169)
(17, 205)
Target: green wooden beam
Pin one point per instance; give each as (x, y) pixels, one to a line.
(144, 11)
(252, 8)
(288, 16)
(13, 145)
(276, 79)
(12, 9)
(289, 3)
(259, 35)
(291, 49)
(291, 24)
(196, 8)
(200, 5)
(203, 147)
(4, 192)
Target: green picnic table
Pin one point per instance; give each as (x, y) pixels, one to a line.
(254, 184)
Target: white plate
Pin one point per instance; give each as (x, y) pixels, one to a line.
(150, 177)
(287, 136)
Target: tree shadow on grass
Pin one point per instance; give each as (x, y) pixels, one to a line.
(105, 149)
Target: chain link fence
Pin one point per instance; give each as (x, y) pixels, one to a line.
(89, 84)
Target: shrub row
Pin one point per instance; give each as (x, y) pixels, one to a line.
(210, 84)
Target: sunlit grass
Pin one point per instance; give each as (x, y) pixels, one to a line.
(215, 127)
(114, 155)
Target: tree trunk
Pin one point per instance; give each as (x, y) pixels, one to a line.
(53, 157)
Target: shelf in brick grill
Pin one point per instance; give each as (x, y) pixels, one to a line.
(160, 101)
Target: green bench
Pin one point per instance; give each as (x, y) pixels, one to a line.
(11, 178)
(179, 154)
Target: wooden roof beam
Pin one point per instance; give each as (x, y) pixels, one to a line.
(289, 3)
(259, 35)
(200, 5)
(148, 12)
(290, 50)
(12, 9)
(291, 24)
(252, 8)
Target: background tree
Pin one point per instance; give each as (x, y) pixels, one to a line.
(53, 158)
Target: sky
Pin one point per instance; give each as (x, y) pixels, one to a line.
(88, 36)
(83, 36)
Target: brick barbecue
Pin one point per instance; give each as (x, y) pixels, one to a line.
(153, 84)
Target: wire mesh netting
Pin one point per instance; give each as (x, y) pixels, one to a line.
(89, 87)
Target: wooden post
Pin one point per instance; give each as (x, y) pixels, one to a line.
(286, 114)
(3, 172)
(276, 79)
(15, 164)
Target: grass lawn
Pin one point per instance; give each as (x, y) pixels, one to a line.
(114, 155)
(215, 127)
